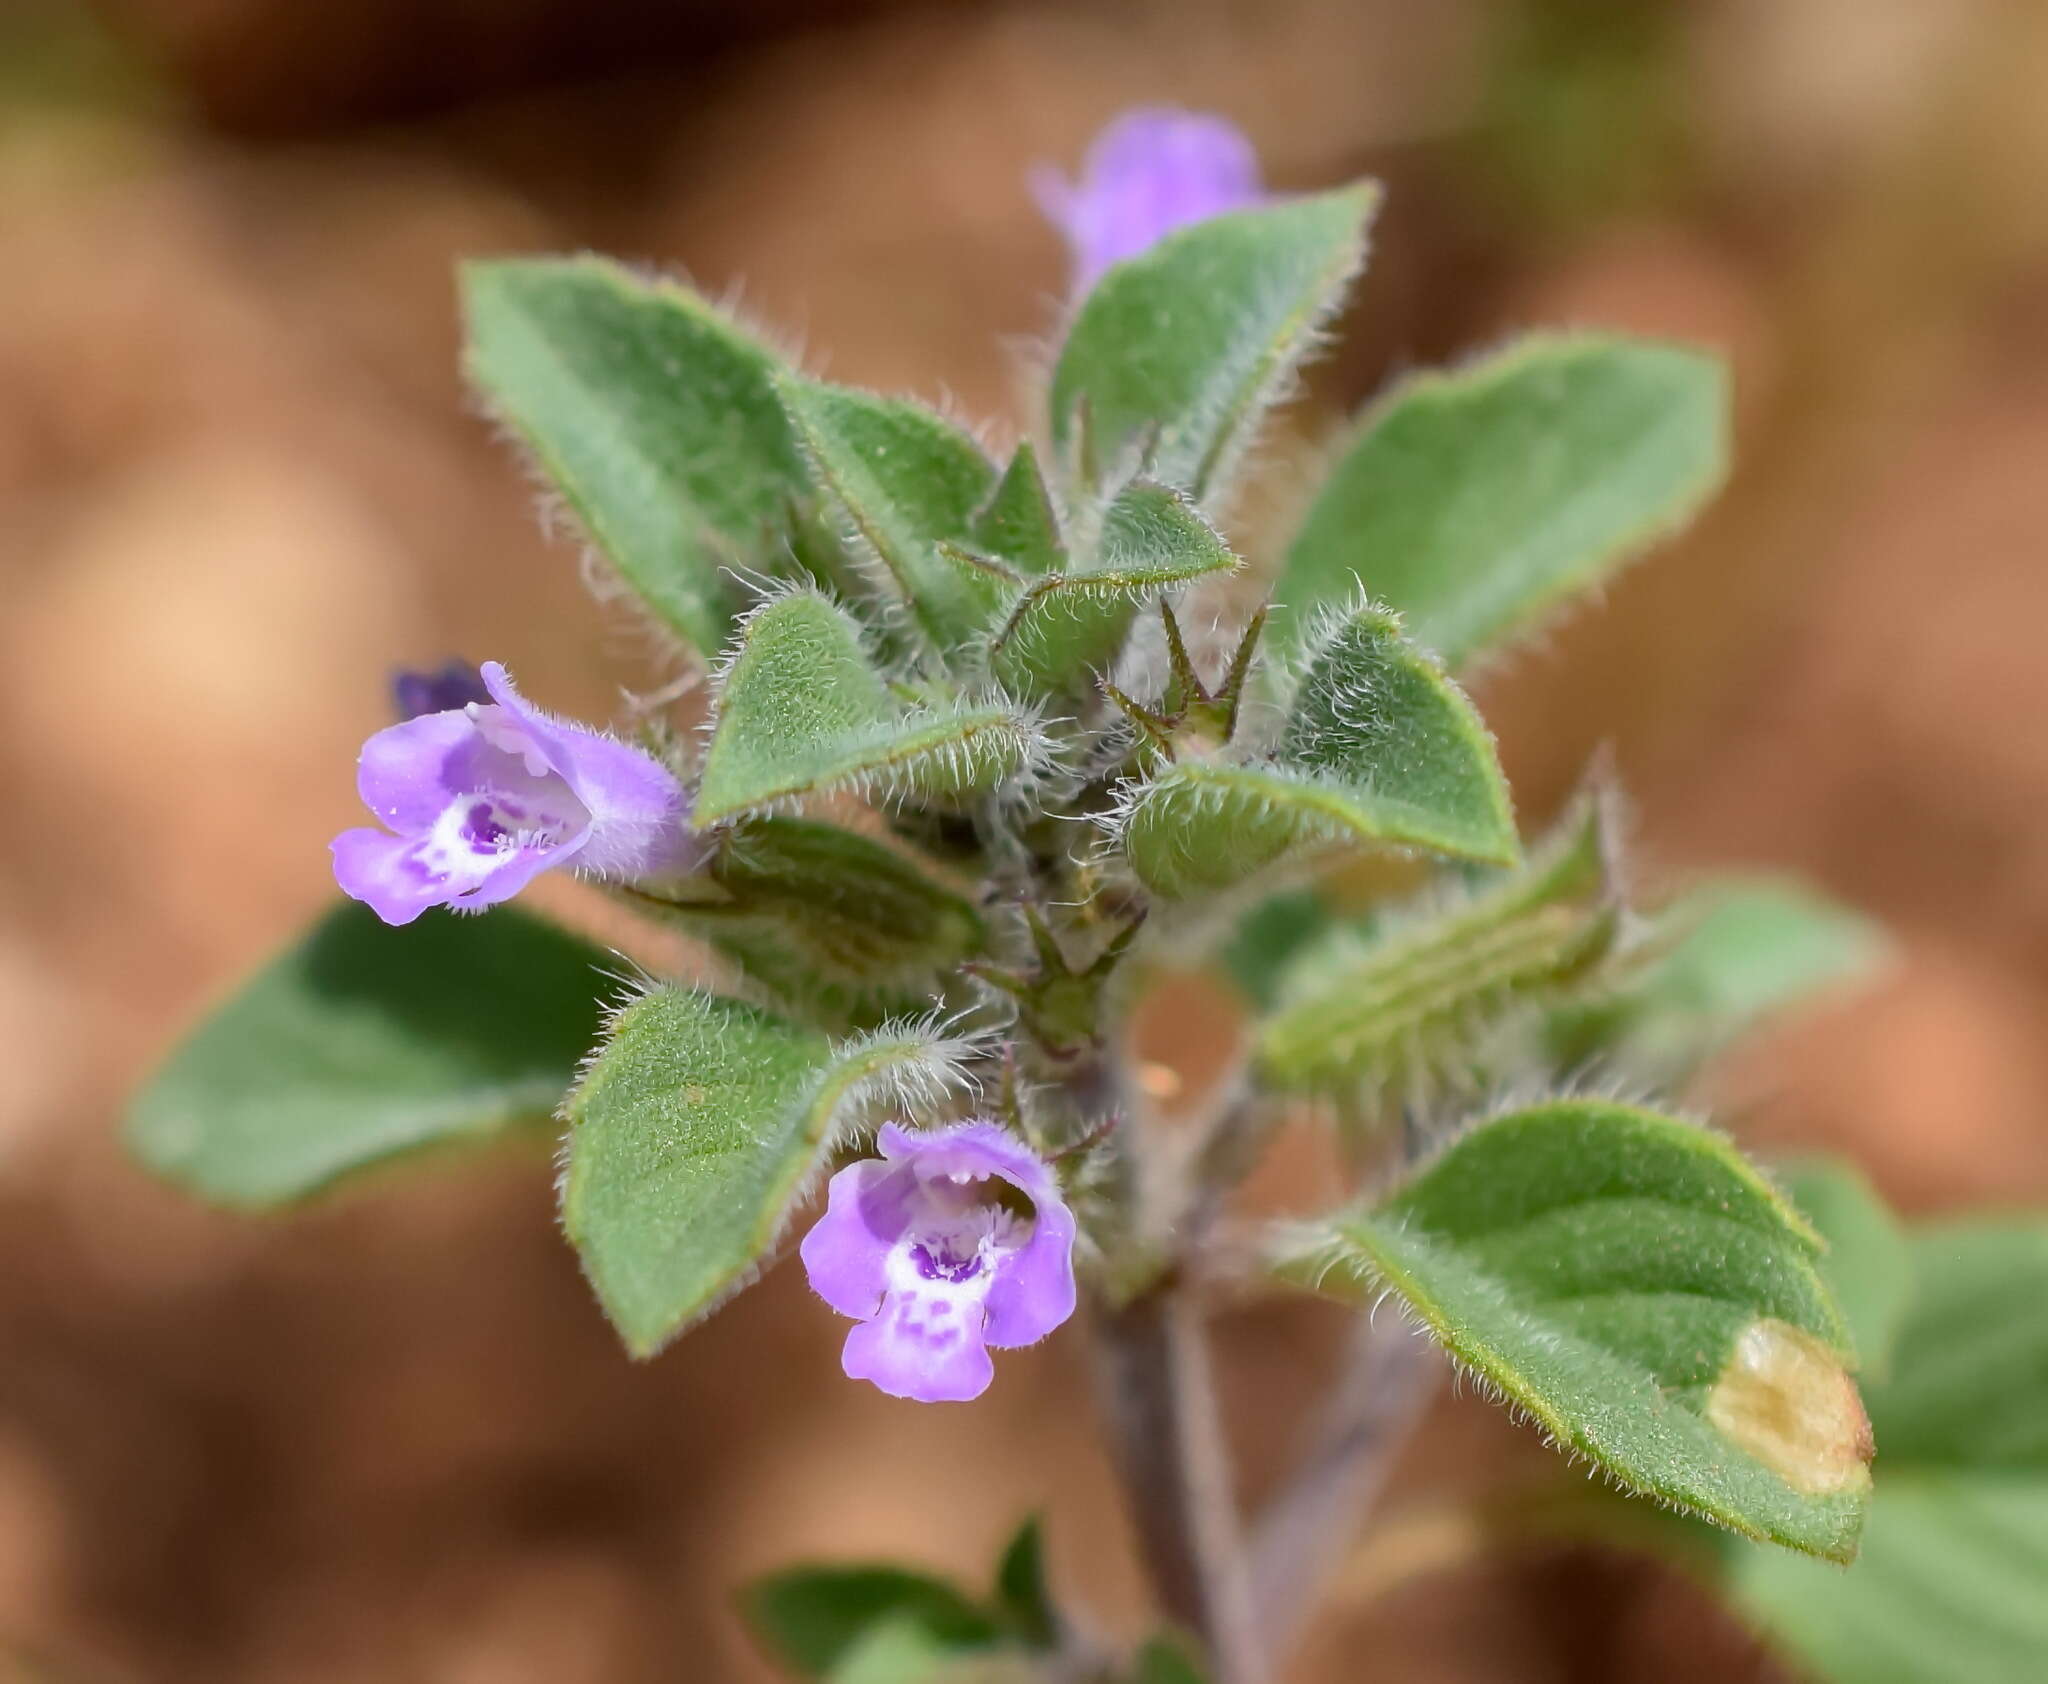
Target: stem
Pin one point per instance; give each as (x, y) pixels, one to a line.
(1158, 1390)
(1312, 1519)
(1159, 1395)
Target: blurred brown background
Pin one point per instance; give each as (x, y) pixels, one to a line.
(390, 1439)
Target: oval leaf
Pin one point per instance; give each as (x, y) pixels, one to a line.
(1185, 346)
(693, 1134)
(655, 417)
(1381, 747)
(801, 710)
(363, 1042)
(1643, 1293)
(1476, 501)
(830, 922)
(903, 481)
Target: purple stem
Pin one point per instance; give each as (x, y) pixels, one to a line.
(1159, 1393)
(1390, 1373)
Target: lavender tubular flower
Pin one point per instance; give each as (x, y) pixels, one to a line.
(951, 1242)
(481, 799)
(1151, 171)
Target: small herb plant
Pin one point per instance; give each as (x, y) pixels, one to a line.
(989, 740)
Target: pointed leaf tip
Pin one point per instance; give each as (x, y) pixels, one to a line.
(655, 417)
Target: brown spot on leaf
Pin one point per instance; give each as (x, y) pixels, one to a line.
(1787, 1400)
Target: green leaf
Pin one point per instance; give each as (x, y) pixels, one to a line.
(801, 710)
(1019, 524)
(654, 416)
(1949, 1583)
(1969, 1381)
(1381, 748)
(1406, 1004)
(363, 1042)
(903, 480)
(694, 1133)
(1022, 1596)
(900, 1650)
(1185, 346)
(1476, 501)
(1165, 1660)
(1374, 715)
(1947, 1586)
(830, 922)
(1266, 940)
(1723, 959)
(1867, 1266)
(1065, 627)
(1630, 1282)
(812, 1619)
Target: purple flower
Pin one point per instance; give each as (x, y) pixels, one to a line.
(456, 685)
(481, 799)
(950, 1242)
(1151, 171)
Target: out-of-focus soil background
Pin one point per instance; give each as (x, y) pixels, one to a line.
(390, 1439)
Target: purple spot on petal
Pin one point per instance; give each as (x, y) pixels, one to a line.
(940, 1265)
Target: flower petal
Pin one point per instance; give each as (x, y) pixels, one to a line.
(639, 811)
(972, 1149)
(369, 866)
(924, 1348)
(1033, 1292)
(399, 877)
(408, 773)
(1150, 172)
(846, 1253)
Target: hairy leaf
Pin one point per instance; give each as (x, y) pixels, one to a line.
(903, 480)
(829, 922)
(1476, 501)
(1407, 1003)
(655, 417)
(693, 1133)
(1646, 1296)
(1381, 747)
(1019, 524)
(1184, 347)
(1065, 627)
(801, 710)
(363, 1042)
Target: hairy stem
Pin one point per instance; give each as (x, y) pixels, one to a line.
(1312, 1519)
(1159, 1395)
